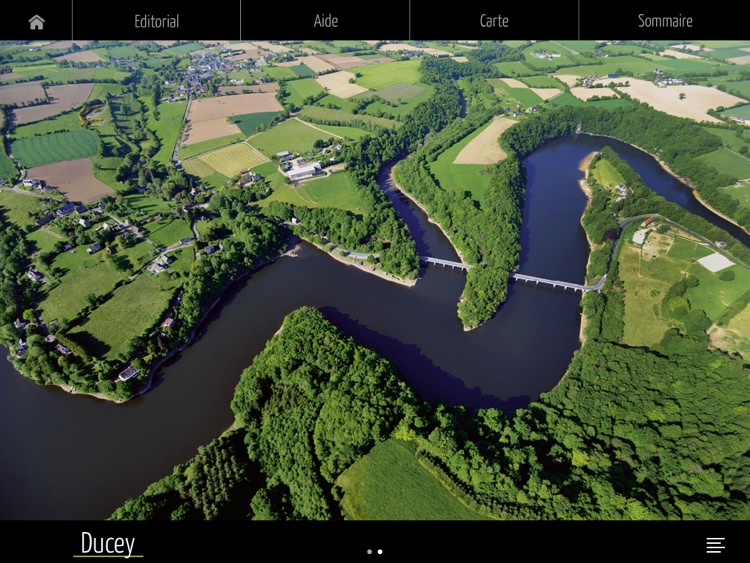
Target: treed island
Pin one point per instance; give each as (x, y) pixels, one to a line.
(139, 181)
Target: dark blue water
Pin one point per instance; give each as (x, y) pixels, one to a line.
(68, 456)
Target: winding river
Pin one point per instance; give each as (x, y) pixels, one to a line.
(74, 457)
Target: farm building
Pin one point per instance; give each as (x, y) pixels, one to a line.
(94, 248)
(66, 209)
(307, 171)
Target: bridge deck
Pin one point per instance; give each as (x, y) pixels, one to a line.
(520, 277)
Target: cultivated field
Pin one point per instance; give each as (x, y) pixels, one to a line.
(513, 83)
(545, 93)
(395, 47)
(336, 190)
(379, 76)
(274, 48)
(207, 118)
(484, 149)
(17, 94)
(227, 160)
(212, 108)
(297, 91)
(313, 113)
(64, 45)
(55, 147)
(678, 54)
(337, 83)
(74, 178)
(342, 62)
(568, 79)
(199, 131)
(8, 76)
(81, 57)
(317, 64)
(61, 99)
(698, 99)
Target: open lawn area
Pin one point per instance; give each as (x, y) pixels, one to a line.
(168, 231)
(44, 240)
(514, 68)
(167, 128)
(18, 207)
(390, 484)
(606, 174)
(728, 161)
(739, 111)
(379, 76)
(401, 110)
(526, 96)
(568, 99)
(292, 135)
(740, 191)
(336, 190)
(82, 275)
(133, 309)
(147, 204)
(55, 147)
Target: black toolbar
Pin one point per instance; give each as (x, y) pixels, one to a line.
(382, 19)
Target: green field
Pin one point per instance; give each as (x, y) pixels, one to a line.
(403, 109)
(740, 86)
(297, 91)
(133, 309)
(390, 484)
(182, 49)
(338, 103)
(19, 207)
(463, 177)
(63, 122)
(101, 89)
(82, 275)
(291, 135)
(714, 295)
(279, 73)
(583, 45)
(7, 168)
(302, 70)
(344, 131)
(377, 77)
(313, 113)
(606, 174)
(249, 123)
(730, 139)
(739, 111)
(204, 146)
(167, 231)
(127, 51)
(740, 191)
(543, 81)
(514, 68)
(399, 92)
(134, 256)
(43, 239)
(336, 190)
(623, 49)
(167, 128)
(55, 147)
(730, 162)
(526, 96)
(568, 99)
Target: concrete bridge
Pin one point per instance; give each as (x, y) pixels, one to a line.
(519, 277)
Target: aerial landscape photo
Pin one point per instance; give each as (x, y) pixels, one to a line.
(375, 280)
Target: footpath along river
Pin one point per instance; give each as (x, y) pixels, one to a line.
(74, 457)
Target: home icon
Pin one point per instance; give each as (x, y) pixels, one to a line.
(36, 23)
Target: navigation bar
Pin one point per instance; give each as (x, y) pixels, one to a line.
(391, 20)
